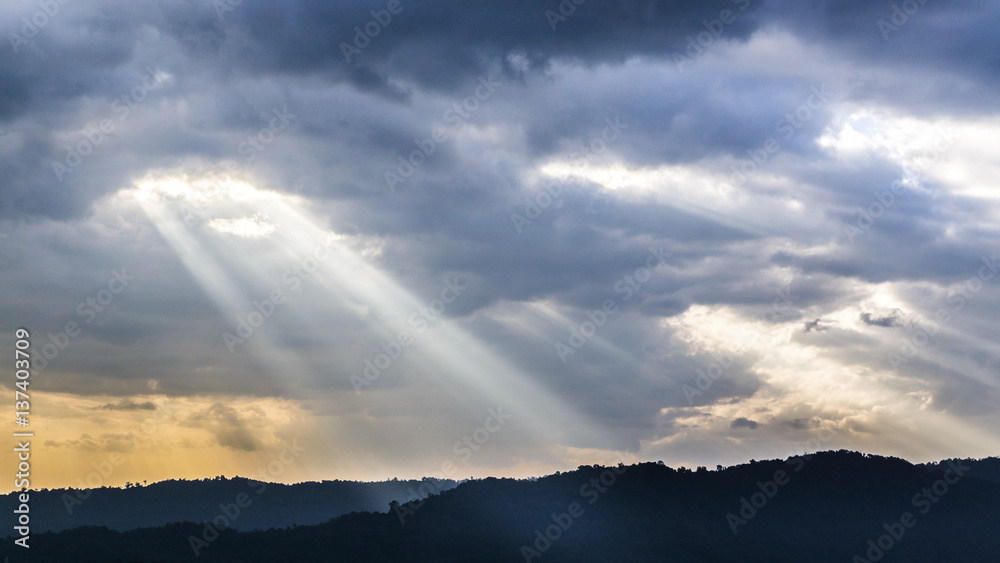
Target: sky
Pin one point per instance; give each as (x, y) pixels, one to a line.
(372, 239)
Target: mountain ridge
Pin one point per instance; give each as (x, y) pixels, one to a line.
(827, 506)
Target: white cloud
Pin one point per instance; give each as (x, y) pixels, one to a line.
(255, 226)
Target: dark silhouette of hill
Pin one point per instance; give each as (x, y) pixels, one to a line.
(271, 505)
(988, 469)
(831, 506)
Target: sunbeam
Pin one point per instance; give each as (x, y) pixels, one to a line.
(258, 226)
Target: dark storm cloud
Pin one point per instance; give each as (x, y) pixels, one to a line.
(261, 38)
(308, 37)
(743, 423)
(897, 35)
(426, 47)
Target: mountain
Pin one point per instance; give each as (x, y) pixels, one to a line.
(831, 506)
(268, 505)
(988, 469)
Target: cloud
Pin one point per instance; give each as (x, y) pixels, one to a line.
(85, 442)
(814, 325)
(892, 319)
(743, 423)
(801, 423)
(231, 428)
(246, 227)
(129, 405)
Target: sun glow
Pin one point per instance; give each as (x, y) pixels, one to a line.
(256, 226)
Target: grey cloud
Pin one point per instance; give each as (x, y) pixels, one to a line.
(230, 428)
(894, 318)
(742, 422)
(814, 325)
(800, 423)
(129, 405)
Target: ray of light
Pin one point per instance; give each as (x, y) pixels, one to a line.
(459, 360)
(463, 359)
(156, 193)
